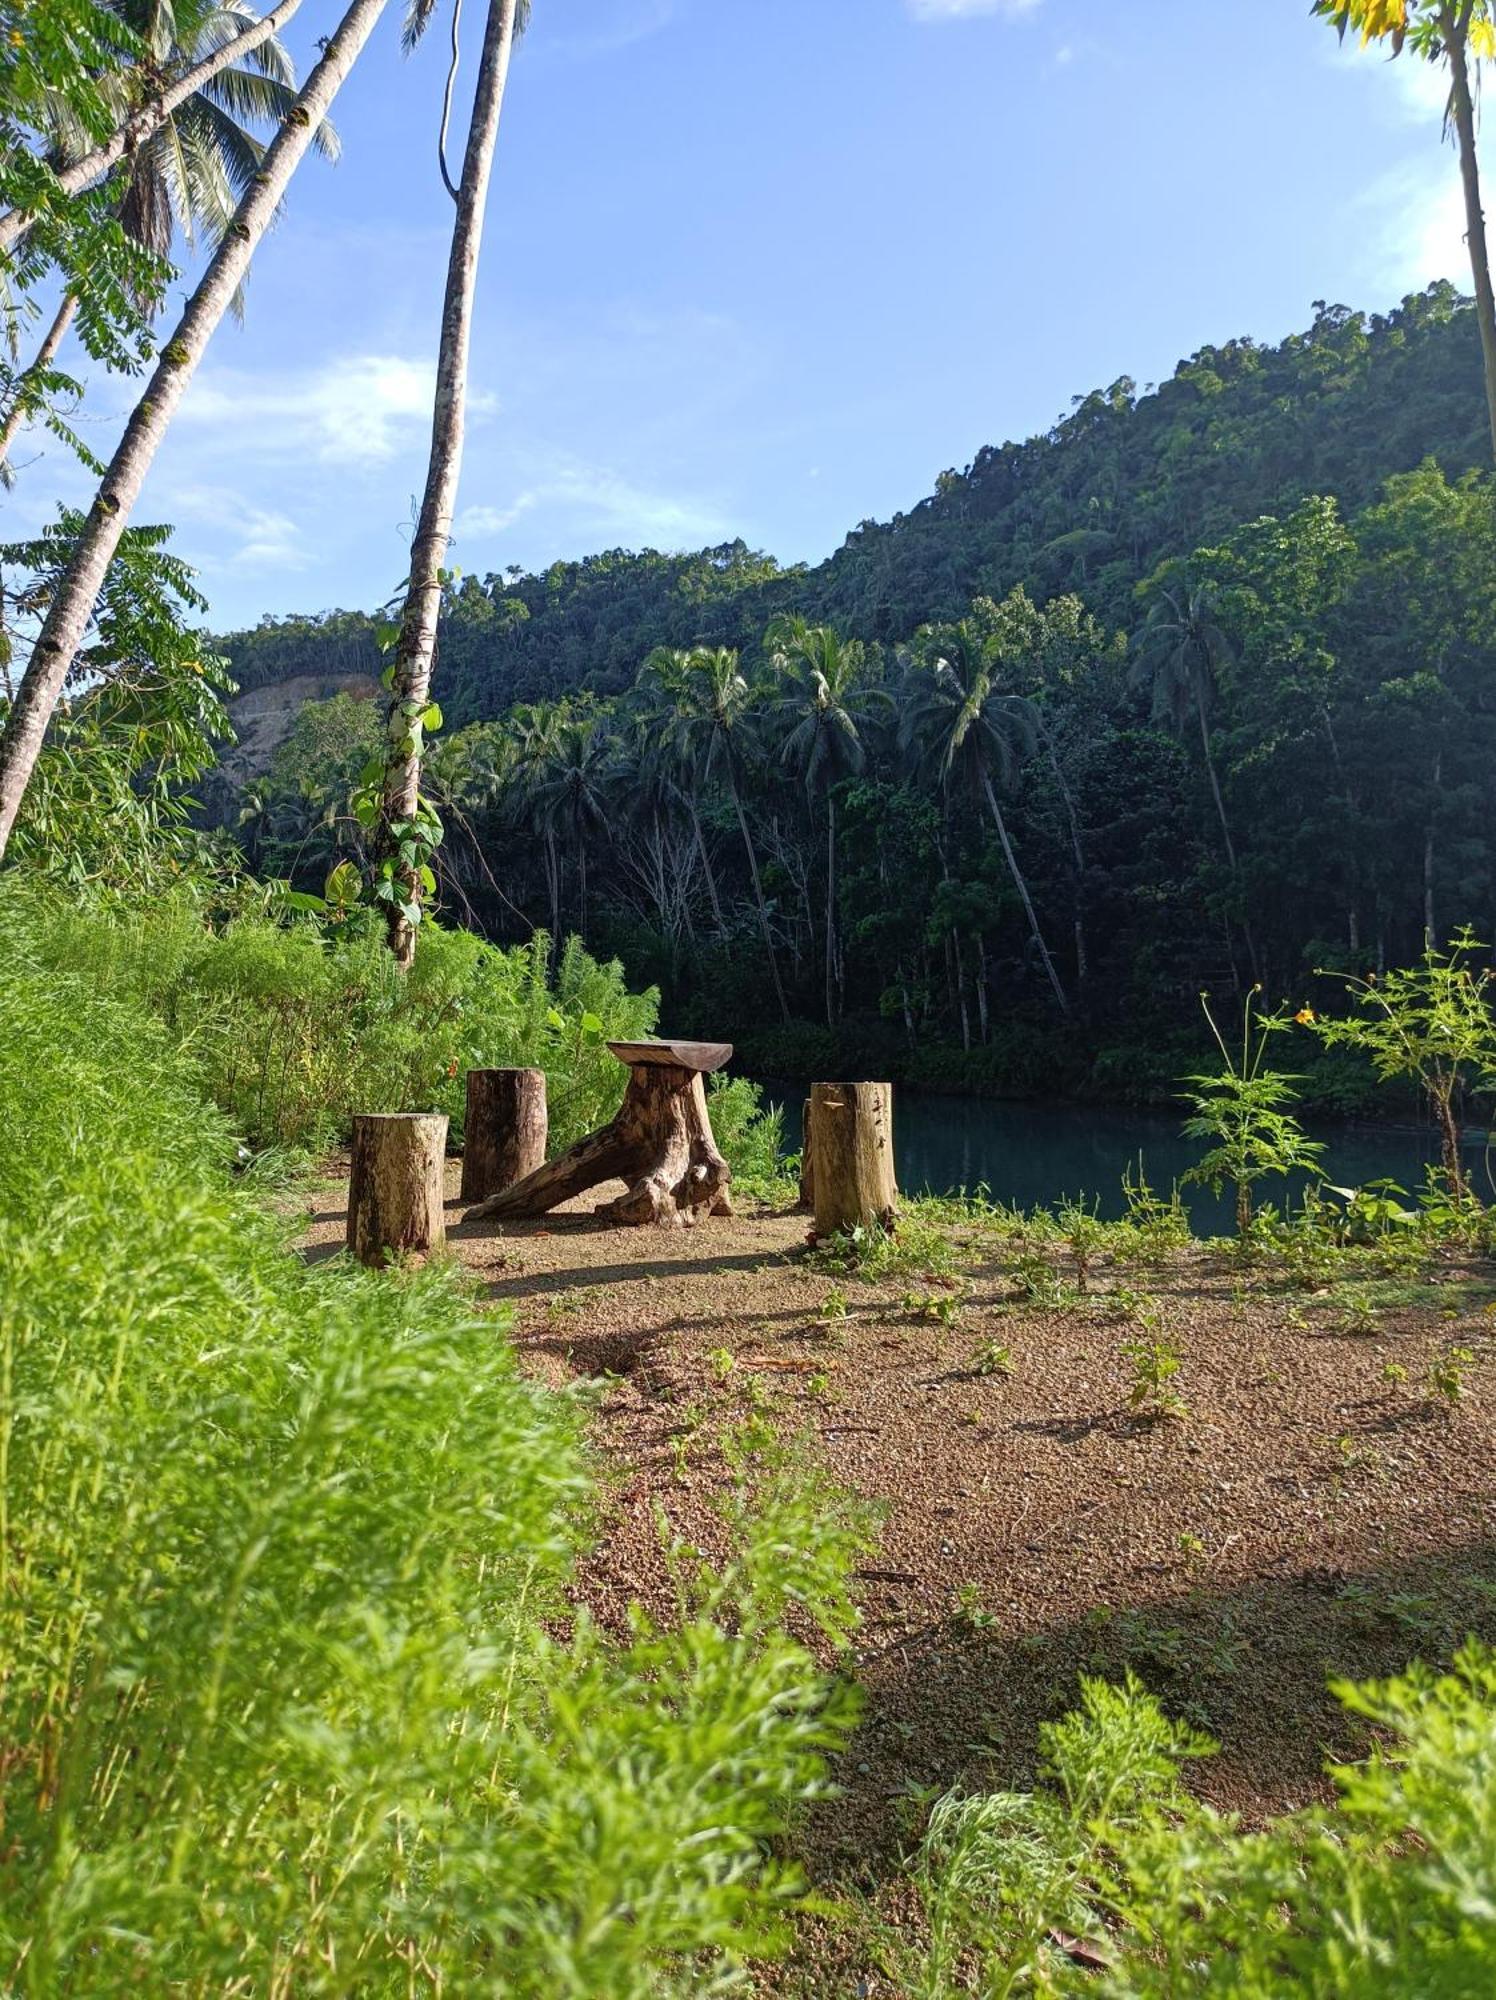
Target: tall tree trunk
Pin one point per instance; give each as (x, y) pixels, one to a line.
(1430, 929)
(78, 588)
(152, 115)
(1215, 785)
(830, 911)
(415, 652)
(582, 888)
(1454, 27)
(758, 894)
(706, 864)
(553, 884)
(1230, 845)
(1023, 894)
(41, 361)
(958, 982)
(1076, 850)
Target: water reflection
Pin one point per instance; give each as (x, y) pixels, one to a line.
(1029, 1154)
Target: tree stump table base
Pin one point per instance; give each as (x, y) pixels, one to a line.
(660, 1143)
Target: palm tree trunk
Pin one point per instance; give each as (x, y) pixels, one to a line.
(151, 116)
(1220, 806)
(553, 884)
(1076, 850)
(1430, 929)
(830, 911)
(416, 650)
(706, 864)
(582, 887)
(78, 588)
(1215, 785)
(41, 361)
(1454, 26)
(1022, 887)
(758, 894)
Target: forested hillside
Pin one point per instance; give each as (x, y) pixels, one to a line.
(1196, 690)
(1090, 506)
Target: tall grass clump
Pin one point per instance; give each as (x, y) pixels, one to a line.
(292, 1027)
(291, 1697)
(1114, 1882)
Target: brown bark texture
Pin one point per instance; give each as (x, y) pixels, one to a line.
(660, 1143)
(504, 1131)
(851, 1156)
(395, 1188)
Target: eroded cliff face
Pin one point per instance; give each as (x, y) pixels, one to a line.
(263, 717)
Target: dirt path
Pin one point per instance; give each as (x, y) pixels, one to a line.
(1315, 1514)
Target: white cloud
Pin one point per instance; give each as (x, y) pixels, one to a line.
(619, 33)
(253, 537)
(1411, 218)
(357, 410)
(1424, 238)
(961, 10)
(596, 501)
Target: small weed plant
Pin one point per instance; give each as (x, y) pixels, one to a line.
(1242, 1109)
(1154, 1364)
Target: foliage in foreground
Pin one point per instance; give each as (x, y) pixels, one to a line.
(282, 1555)
(1115, 1882)
(292, 1031)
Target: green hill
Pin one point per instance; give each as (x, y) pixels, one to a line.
(1090, 506)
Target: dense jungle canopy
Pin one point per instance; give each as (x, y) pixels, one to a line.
(1194, 690)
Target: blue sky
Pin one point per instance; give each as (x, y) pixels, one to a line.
(766, 269)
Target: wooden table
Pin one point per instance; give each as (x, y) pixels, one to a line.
(660, 1143)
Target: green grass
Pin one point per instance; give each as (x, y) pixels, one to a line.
(292, 1699)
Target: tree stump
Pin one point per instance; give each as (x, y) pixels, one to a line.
(504, 1130)
(660, 1142)
(807, 1172)
(851, 1156)
(395, 1191)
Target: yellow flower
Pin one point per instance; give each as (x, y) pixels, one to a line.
(1305, 1017)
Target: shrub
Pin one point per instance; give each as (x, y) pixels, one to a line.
(1114, 1882)
(751, 1138)
(286, 1700)
(292, 1031)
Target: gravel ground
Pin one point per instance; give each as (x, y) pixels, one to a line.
(1315, 1514)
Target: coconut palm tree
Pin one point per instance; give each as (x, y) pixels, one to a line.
(415, 650)
(78, 586)
(1181, 653)
(714, 726)
(152, 97)
(822, 711)
(656, 698)
(959, 722)
(193, 166)
(537, 730)
(568, 794)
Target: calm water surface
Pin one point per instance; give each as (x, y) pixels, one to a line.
(1028, 1154)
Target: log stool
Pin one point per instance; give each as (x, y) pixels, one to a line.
(504, 1130)
(849, 1150)
(395, 1185)
(660, 1142)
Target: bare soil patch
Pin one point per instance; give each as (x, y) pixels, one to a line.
(1316, 1515)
